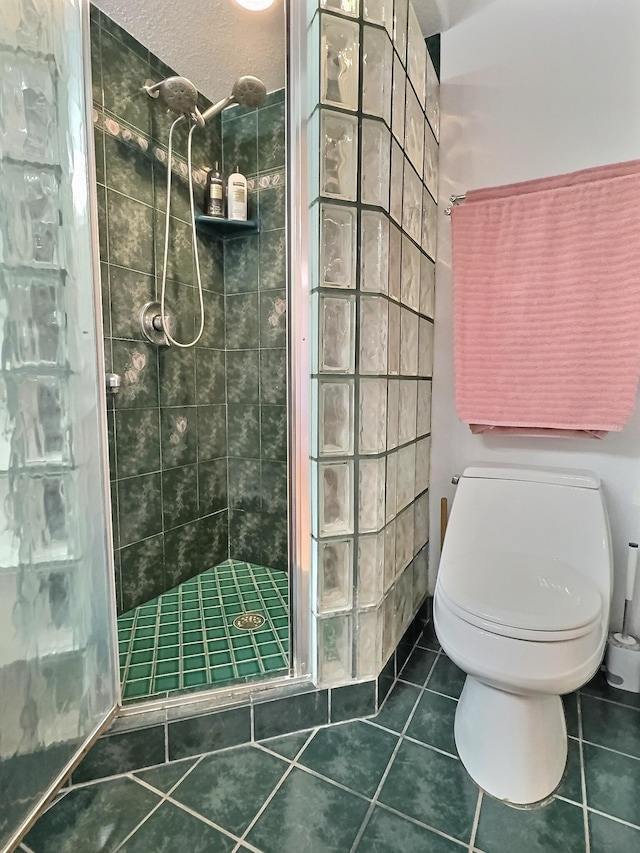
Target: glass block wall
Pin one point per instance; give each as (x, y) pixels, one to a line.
(373, 150)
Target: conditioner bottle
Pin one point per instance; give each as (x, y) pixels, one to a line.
(237, 196)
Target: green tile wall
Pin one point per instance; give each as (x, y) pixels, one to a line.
(167, 427)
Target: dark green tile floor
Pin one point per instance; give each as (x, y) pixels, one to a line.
(389, 784)
(185, 638)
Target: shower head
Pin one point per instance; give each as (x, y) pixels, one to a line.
(179, 94)
(247, 91)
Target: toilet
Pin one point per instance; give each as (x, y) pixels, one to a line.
(522, 606)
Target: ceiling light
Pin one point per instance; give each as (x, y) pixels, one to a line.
(255, 5)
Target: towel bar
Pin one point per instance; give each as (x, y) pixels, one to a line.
(454, 199)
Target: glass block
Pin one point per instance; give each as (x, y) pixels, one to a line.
(379, 12)
(338, 155)
(427, 287)
(421, 522)
(412, 202)
(423, 449)
(334, 650)
(377, 73)
(414, 132)
(395, 261)
(41, 432)
(393, 361)
(375, 163)
(35, 318)
(340, 58)
(420, 577)
(29, 214)
(371, 503)
(416, 55)
(430, 161)
(407, 419)
(41, 517)
(374, 252)
(404, 539)
(392, 487)
(425, 348)
(369, 643)
(335, 575)
(398, 99)
(336, 498)
(408, 343)
(370, 569)
(429, 225)
(424, 406)
(29, 129)
(406, 475)
(28, 25)
(389, 631)
(433, 98)
(389, 554)
(397, 181)
(400, 20)
(373, 416)
(373, 335)
(393, 407)
(338, 246)
(410, 274)
(403, 602)
(337, 334)
(336, 418)
(346, 7)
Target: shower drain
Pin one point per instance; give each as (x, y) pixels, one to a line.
(249, 621)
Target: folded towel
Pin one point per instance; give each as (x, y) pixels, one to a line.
(547, 303)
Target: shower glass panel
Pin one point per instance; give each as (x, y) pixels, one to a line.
(57, 649)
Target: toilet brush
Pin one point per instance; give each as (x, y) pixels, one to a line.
(623, 650)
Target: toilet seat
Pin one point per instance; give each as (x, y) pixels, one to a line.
(520, 595)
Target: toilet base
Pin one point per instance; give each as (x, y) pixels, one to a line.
(514, 747)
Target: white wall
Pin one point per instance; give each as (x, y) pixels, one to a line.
(534, 88)
(209, 41)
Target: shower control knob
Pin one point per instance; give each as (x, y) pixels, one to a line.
(114, 381)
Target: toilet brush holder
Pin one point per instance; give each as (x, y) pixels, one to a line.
(622, 663)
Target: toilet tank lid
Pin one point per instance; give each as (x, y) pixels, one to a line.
(553, 476)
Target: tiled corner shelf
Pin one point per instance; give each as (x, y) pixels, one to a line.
(227, 227)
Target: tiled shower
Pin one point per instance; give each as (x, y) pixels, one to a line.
(197, 437)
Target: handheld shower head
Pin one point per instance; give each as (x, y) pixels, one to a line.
(179, 94)
(247, 91)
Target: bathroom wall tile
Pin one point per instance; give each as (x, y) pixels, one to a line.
(274, 483)
(121, 753)
(352, 701)
(273, 433)
(335, 424)
(242, 257)
(177, 377)
(180, 489)
(273, 376)
(219, 730)
(180, 300)
(138, 442)
(129, 170)
(241, 321)
(338, 162)
(194, 547)
(242, 376)
(374, 251)
(180, 198)
(273, 319)
(334, 650)
(273, 258)
(291, 714)
(339, 62)
(271, 137)
(212, 433)
(179, 436)
(210, 384)
(126, 73)
(337, 246)
(377, 71)
(96, 63)
(211, 256)
(130, 225)
(98, 150)
(213, 331)
(272, 208)
(129, 291)
(245, 535)
(335, 574)
(240, 143)
(244, 430)
(275, 540)
(212, 486)
(141, 572)
(374, 185)
(140, 507)
(244, 484)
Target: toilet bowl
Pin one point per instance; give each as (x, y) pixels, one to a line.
(522, 606)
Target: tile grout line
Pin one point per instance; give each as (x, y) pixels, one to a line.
(614, 818)
(285, 656)
(583, 780)
(254, 645)
(476, 821)
(205, 644)
(400, 735)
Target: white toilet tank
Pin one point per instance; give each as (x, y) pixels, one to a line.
(552, 513)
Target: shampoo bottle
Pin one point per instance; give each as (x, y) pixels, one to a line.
(237, 196)
(214, 196)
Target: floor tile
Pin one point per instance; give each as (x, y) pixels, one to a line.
(229, 787)
(432, 722)
(418, 666)
(571, 784)
(598, 687)
(166, 776)
(353, 754)
(431, 788)
(570, 704)
(170, 828)
(611, 725)
(209, 732)
(447, 678)
(92, 819)
(287, 745)
(556, 826)
(308, 815)
(613, 783)
(397, 707)
(388, 833)
(428, 639)
(291, 713)
(122, 752)
(352, 701)
(609, 836)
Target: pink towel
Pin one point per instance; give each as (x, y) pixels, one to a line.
(547, 303)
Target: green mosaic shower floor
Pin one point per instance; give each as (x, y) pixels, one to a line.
(185, 639)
